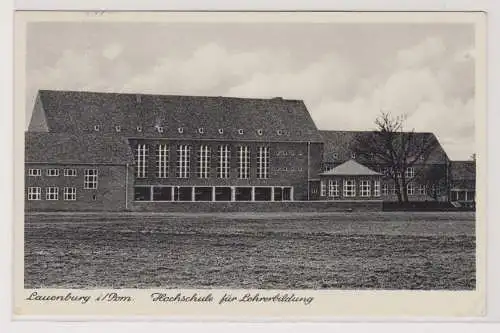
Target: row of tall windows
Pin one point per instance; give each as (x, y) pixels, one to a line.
(349, 188)
(52, 193)
(203, 161)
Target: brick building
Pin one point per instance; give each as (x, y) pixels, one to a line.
(340, 146)
(463, 182)
(140, 149)
(114, 151)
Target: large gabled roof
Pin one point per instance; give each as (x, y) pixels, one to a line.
(350, 168)
(75, 149)
(339, 146)
(273, 119)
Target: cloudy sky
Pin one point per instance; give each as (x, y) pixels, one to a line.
(345, 73)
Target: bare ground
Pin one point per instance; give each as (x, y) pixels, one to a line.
(264, 251)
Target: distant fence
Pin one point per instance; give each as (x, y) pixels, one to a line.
(431, 206)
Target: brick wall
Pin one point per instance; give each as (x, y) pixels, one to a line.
(109, 195)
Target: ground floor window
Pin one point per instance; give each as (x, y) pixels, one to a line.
(323, 188)
(222, 194)
(333, 188)
(365, 188)
(410, 189)
(69, 193)
(34, 193)
(385, 189)
(376, 188)
(421, 189)
(162, 193)
(52, 193)
(203, 194)
(183, 193)
(262, 194)
(142, 193)
(349, 188)
(243, 194)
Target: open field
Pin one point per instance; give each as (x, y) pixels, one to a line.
(292, 251)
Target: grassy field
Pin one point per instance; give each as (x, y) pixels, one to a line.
(293, 251)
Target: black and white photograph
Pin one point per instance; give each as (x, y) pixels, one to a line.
(278, 154)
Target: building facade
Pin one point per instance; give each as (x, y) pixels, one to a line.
(116, 152)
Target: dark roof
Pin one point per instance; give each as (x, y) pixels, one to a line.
(350, 168)
(463, 170)
(78, 112)
(76, 149)
(339, 146)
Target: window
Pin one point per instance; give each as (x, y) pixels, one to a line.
(96, 128)
(183, 152)
(141, 154)
(393, 190)
(162, 160)
(139, 128)
(279, 132)
(118, 128)
(410, 189)
(385, 189)
(322, 187)
(90, 179)
(263, 163)
(221, 131)
(69, 193)
(34, 193)
(259, 132)
(421, 189)
(204, 161)
(34, 172)
(240, 131)
(69, 172)
(52, 193)
(243, 162)
(376, 188)
(349, 188)
(201, 130)
(365, 188)
(410, 173)
(223, 161)
(159, 129)
(335, 156)
(52, 172)
(353, 156)
(333, 188)
(180, 130)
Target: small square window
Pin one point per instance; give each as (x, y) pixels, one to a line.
(34, 172)
(69, 172)
(221, 131)
(240, 131)
(52, 172)
(139, 128)
(180, 130)
(118, 128)
(96, 128)
(201, 130)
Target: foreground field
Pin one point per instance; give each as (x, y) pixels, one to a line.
(294, 251)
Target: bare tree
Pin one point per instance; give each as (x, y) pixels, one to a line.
(395, 150)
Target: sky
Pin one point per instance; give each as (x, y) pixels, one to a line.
(346, 73)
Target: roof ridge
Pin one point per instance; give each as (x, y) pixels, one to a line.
(168, 95)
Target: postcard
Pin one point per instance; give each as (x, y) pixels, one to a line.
(250, 165)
